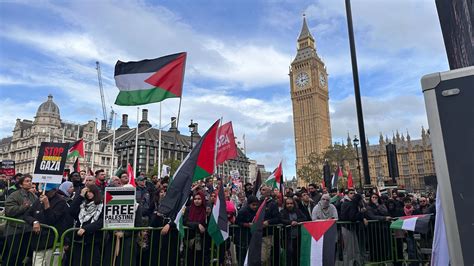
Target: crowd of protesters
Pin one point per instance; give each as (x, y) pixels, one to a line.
(78, 203)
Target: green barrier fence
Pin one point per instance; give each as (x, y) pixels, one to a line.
(19, 245)
(356, 243)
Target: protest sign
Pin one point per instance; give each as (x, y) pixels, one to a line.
(50, 163)
(7, 167)
(119, 207)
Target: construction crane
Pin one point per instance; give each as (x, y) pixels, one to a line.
(111, 118)
(101, 88)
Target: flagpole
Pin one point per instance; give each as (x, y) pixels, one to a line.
(159, 146)
(113, 147)
(135, 153)
(64, 133)
(216, 146)
(93, 145)
(78, 129)
(179, 112)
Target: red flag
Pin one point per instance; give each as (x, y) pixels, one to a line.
(91, 173)
(350, 182)
(131, 175)
(226, 148)
(339, 172)
(323, 185)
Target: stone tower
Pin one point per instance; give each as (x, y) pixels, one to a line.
(310, 99)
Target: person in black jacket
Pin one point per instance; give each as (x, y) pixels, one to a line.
(352, 210)
(306, 205)
(242, 232)
(290, 216)
(87, 211)
(77, 184)
(195, 217)
(272, 217)
(49, 209)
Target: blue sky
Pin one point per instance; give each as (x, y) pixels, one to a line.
(238, 58)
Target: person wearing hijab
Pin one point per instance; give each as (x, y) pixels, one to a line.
(87, 211)
(195, 218)
(66, 189)
(324, 210)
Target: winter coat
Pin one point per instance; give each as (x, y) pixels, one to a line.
(350, 212)
(14, 205)
(89, 227)
(305, 211)
(375, 212)
(53, 216)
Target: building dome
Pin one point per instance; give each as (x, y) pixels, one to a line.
(48, 113)
(48, 108)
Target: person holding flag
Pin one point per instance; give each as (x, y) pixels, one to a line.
(195, 218)
(290, 217)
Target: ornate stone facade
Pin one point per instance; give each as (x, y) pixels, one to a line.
(48, 126)
(310, 99)
(415, 161)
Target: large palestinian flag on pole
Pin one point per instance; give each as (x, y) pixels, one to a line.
(318, 243)
(274, 180)
(218, 227)
(254, 253)
(416, 223)
(150, 80)
(201, 156)
(76, 149)
(206, 158)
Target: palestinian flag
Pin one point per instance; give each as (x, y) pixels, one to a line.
(131, 175)
(254, 253)
(218, 227)
(119, 197)
(76, 167)
(150, 80)
(178, 190)
(274, 180)
(76, 149)
(416, 223)
(179, 221)
(258, 184)
(207, 154)
(318, 243)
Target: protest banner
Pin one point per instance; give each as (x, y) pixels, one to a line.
(50, 163)
(7, 167)
(119, 207)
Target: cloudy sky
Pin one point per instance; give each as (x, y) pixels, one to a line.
(238, 58)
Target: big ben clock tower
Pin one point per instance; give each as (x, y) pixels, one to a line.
(310, 99)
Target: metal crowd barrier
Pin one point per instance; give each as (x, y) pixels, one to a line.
(356, 243)
(411, 247)
(20, 246)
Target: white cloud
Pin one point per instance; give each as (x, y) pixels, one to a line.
(381, 115)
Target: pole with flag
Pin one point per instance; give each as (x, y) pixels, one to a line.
(198, 165)
(218, 227)
(131, 175)
(76, 167)
(350, 182)
(254, 253)
(258, 183)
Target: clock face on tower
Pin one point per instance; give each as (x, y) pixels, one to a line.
(322, 79)
(302, 79)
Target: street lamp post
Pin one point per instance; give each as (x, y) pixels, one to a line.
(356, 143)
(192, 128)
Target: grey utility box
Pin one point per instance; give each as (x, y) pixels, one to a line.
(449, 99)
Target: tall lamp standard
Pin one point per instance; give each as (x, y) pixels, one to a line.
(356, 143)
(192, 128)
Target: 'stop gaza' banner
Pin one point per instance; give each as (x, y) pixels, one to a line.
(50, 163)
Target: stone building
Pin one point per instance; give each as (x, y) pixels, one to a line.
(48, 126)
(415, 161)
(310, 99)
